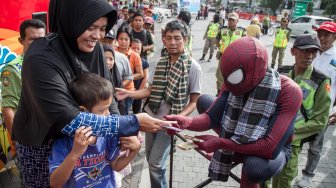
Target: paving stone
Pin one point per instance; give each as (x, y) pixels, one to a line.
(328, 185)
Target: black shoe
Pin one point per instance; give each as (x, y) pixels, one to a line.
(202, 58)
(209, 60)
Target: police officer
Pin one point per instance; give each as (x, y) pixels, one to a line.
(225, 37)
(210, 37)
(11, 75)
(314, 112)
(282, 35)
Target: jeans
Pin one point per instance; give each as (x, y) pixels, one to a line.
(128, 104)
(157, 152)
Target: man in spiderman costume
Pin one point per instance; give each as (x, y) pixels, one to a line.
(253, 116)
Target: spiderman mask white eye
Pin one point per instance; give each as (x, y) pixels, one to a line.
(236, 77)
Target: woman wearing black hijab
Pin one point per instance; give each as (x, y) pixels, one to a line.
(47, 109)
(116, 77)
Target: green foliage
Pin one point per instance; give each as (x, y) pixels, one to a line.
(272, 4)
(218, 3)
(330, 7)
(310, 7)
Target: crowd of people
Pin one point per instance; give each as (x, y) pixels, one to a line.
(78, 121)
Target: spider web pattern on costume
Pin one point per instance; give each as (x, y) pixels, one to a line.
(101, 125)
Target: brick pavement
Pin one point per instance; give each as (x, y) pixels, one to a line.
(190, 168)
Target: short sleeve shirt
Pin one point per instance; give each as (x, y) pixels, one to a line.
(194, 86)
(253, 30)
(145, 37)
(11, 83)
(93, 167)
(123, 66)
(134, 61)
(326, 64)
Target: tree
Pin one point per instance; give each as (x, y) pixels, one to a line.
(330, 7)
(310, 7)
(218, 3)
(273, 4)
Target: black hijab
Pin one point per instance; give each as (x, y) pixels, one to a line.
(116, 80)
(50, 64)
(116, 77)
(69, 19)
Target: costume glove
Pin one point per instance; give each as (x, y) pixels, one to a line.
(172, 132)
(210, 143)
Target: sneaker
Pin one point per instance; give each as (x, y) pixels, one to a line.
(305, 182)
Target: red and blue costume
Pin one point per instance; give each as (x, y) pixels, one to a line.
(244, 66)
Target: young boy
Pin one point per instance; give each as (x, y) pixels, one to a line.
(87, 160)
(136, 46)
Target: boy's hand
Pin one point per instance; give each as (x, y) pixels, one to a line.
(81, 141)
(150, 124)
(132, 143)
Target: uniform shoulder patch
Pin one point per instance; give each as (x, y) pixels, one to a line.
(327, 87)
(6, 73)
(4, 77)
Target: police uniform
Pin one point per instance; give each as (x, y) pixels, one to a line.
(188, 45)
(225, 37)
(11, 87)
(210, 36)
(280, 44)
(11, 83)
(310, 120)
